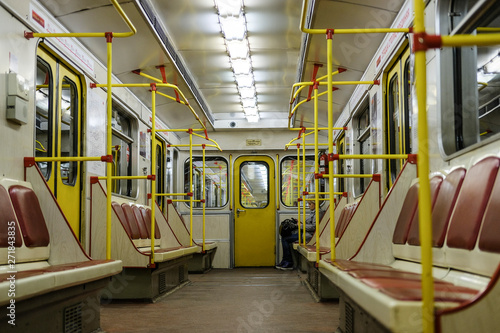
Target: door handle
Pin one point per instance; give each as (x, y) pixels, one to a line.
(238, 211)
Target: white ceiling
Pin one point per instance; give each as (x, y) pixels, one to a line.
(275, 45)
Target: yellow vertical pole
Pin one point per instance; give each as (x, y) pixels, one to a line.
(329, 42)
(316, 169)
(304, 186)
(109, 152)
(425, 216)
(191, 187)
(153, 170)
(204, 202)
(298, 190)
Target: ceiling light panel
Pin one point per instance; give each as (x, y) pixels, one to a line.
(234, 29)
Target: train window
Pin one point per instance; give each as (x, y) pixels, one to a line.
(43, 116)
(362, 128)
(123, 153)
(216, 186)
(341, 168)
(69, 130)
(469, 76)
(254, 184)
(291, 173)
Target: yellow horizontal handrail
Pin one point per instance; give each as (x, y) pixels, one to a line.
(471, 40)
(124, 177)
(195, 145)
(181, 130)
(173, 194)
(71, 159)
(319, 128)
(372, 156)
(349, 176)
(92, 34)
(182, 200)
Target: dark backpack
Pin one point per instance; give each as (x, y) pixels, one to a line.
(287, 227)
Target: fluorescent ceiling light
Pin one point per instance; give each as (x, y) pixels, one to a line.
(249, 102)
(253, 119)
(233, 27)
(237, 48)
(250, 111)
(241, 66)
(229, 7)
(247, 92)
(244, 80)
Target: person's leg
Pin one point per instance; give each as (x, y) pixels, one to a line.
(287, 245)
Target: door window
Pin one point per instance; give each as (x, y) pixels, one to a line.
(254, 184)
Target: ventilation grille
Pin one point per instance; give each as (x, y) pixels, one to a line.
(73, 319)
(349, 318)
(182, 275)
(176, 60)
(162, 283)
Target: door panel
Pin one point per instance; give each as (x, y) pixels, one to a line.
(255, 208)
(58, 134)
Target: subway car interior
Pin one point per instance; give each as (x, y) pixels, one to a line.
(250, 166)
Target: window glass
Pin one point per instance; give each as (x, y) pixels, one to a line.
(470, 76)
(254, 184)
(362, 123)
(291, 174)
(122, 141)
(69, 130)
(215, 182)
(393, 146)
(43, 117)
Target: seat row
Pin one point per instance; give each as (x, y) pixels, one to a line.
(380, 286)
(47, 281)
(148, 274)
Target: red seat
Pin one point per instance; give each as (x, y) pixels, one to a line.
(488, 239)
(471, 204)
(140, 222)
(442, 209)
(132, 221)
(406, 215)
(121, 217)
(146, 214)
(8, 221)
(30, 216)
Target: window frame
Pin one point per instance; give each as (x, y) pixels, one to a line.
(132, 142)
(309, 157)
(185, 184)
(455, 141)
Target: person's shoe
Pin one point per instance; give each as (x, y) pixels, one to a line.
(278, 266)
(287, 266)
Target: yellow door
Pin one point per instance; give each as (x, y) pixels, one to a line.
(398, 116)
(255, 211)
(58, 134)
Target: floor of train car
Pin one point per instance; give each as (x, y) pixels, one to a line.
(236, 300)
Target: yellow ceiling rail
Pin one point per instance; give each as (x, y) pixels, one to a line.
(150, 85)
(120, 11)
